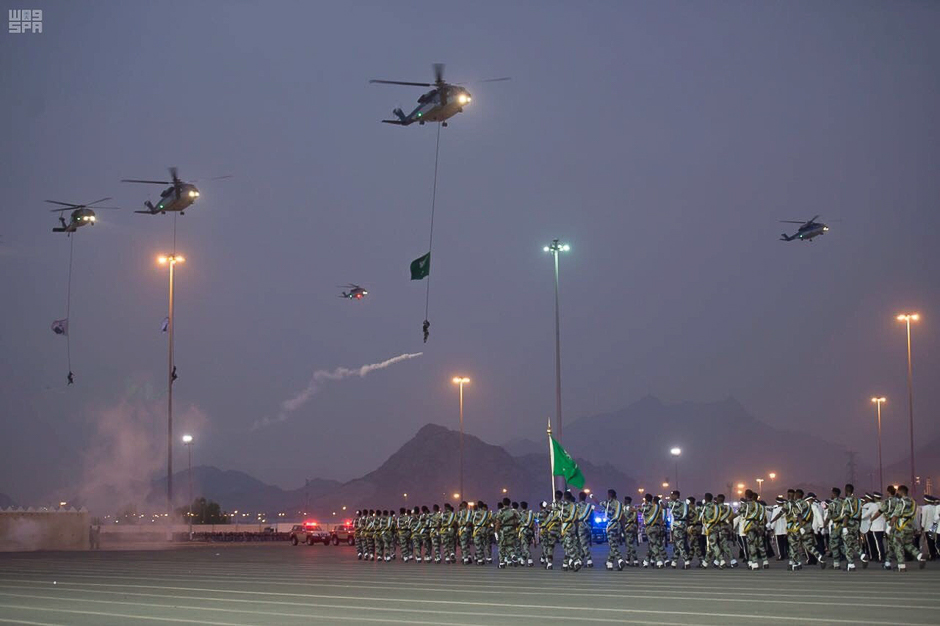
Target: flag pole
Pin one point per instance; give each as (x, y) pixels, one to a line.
(551, 457)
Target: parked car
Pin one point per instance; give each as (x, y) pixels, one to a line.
(343, 533)
(309, 533)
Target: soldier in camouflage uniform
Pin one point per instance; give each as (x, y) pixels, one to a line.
(725, 520)
(369, 536)
(614, 512)
(419, 533)
(449, 533)
(516, 545)
(465, 532)
(710, 514)
(806, 536)
(388, 535)
(852, 520)
(836, 519)
(568, 514)
(357, 532)
(403, 526)
(754, 522)
(631, 531)
(434, 533)
(902, 528)
(548, 533)
(378, 538)
(481, 532)
(526, 534)
(679, 510)
(585, 513)
(654, 522)
(507, 529)
(694, 533)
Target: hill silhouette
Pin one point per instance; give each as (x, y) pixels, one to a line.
(426, 468)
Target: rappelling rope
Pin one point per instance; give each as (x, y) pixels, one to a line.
(437, 152)
(68, 307)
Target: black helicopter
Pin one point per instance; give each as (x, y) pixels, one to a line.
(82, 215)
(438, 105)
(355, 292)
(179, 196)
(806, 231)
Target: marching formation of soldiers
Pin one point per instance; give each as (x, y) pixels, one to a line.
(846, 527)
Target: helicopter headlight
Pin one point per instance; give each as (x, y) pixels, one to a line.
(463, 98)
(192, 194)
(92, 218)
(197, 193)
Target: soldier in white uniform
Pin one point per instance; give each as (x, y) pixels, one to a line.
(779, 528)
(928, 524)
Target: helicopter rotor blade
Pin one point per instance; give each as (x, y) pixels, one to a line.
(438, 73)
(793, 222)
(485, 80)
(97, 201)
(399, 82)
(65, 204)
(152, 182)
(173, 175)
(196, 180)
(812, 220)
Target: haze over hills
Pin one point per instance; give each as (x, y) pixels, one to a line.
(926, 464)
(721, 444)
(6, 501)
(236, 490)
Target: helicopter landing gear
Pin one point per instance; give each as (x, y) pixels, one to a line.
(182, 213)
(444, 124)
(421, 123)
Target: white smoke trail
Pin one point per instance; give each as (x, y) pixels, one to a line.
(292, 404)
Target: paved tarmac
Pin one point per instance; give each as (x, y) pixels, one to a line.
(282, 584)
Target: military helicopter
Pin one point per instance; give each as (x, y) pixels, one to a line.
(179, 196)
(438, 105)
(355, 292)
(806, 231)
(82, 214)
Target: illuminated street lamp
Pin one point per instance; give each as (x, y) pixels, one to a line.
(908, 318)
(170, 260)
(461, 381)
(556, 247)
(772, 475)
(641, 490)
(676, 452)
(760, 486)
(881, 477)
(188, 442)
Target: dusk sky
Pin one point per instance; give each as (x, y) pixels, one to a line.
(663, 141)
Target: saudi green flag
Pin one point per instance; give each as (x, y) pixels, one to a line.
(564, 465)
(421, 267)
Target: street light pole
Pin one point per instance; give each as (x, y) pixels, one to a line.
(172, 260)
(676, 452)
(760, 487)
(881, 477)
(461, 381)
(555, 247)
(910, 391)
(188, 440)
